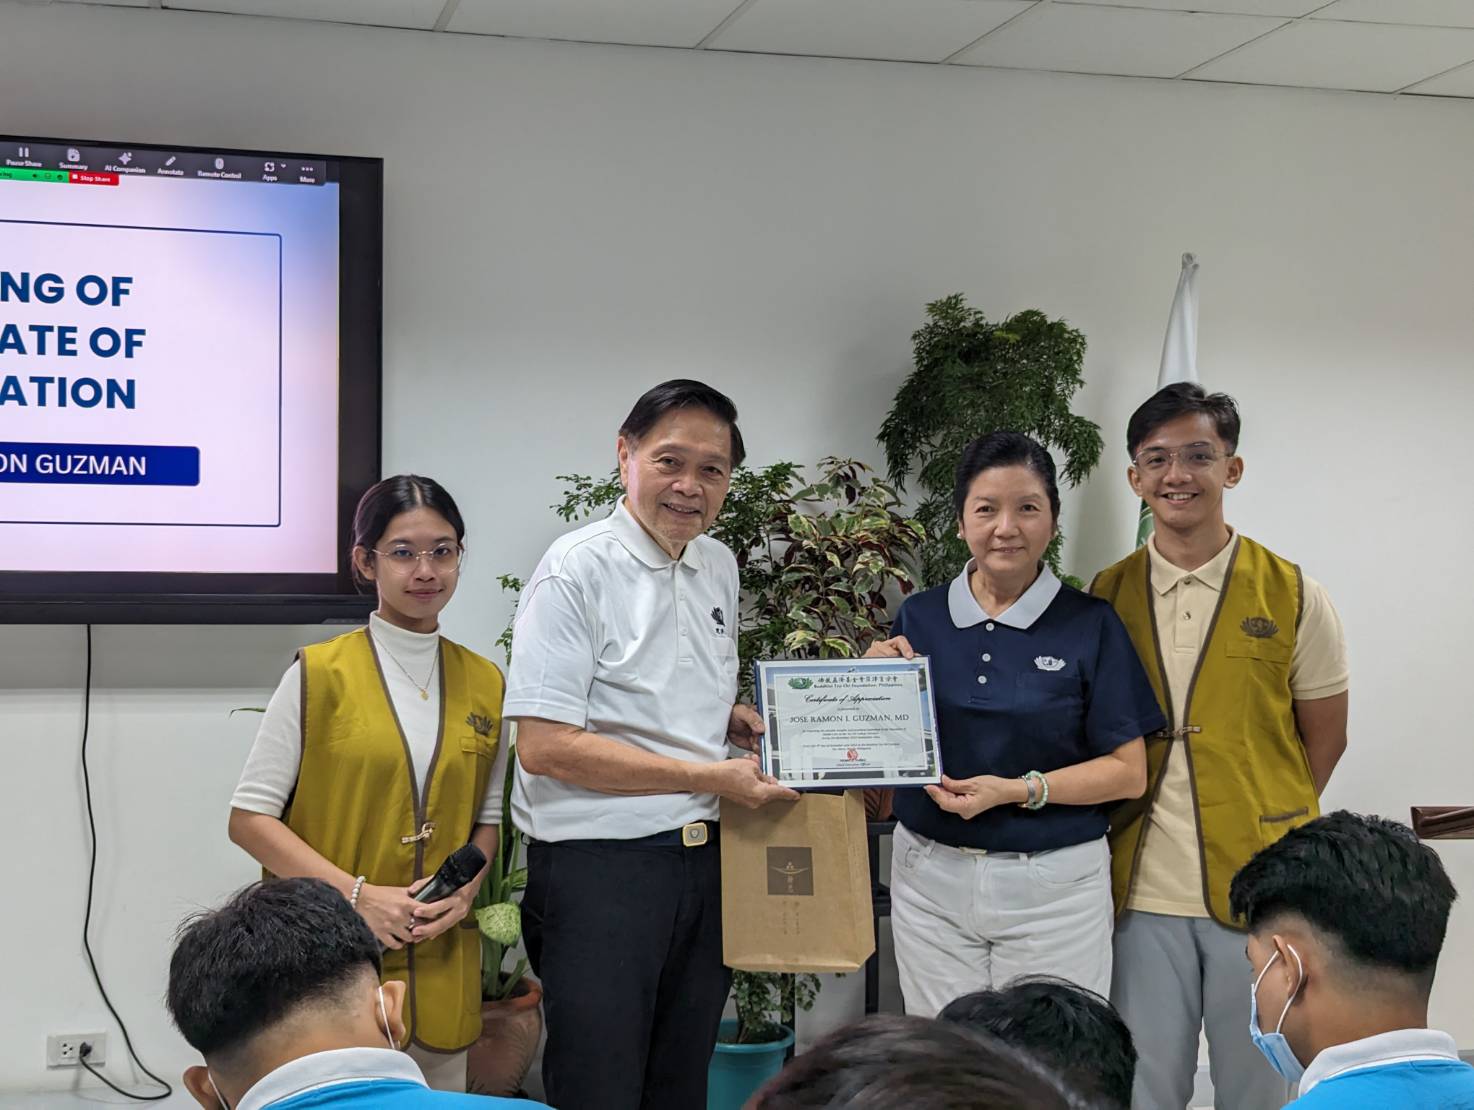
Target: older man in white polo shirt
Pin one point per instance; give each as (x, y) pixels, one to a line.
(623, 684)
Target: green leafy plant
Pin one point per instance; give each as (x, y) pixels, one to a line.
(766, 1001)
(819, 564)
(972, 377)
(498, 912)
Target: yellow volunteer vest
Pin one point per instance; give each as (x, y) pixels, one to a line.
(1251, 778)
(356, 803)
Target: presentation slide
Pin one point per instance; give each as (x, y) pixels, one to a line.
(168, 362)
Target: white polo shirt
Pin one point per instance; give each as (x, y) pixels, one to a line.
(616, 637)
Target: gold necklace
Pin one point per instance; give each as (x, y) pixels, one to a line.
(425, 689)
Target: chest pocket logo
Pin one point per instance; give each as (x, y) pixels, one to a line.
(1049, 663)
(1261, 628)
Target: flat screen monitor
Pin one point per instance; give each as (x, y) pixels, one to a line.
(190, 375)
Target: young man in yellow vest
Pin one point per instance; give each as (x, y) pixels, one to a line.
(1248, 661)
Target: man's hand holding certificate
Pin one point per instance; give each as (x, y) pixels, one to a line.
(848, 722)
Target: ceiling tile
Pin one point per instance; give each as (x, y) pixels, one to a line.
(1458, 83)
(643, 22)
(1082, 38)
(1324, 55)
(1285, 8)
(420, 14)
(1429, 13)
(913, 31)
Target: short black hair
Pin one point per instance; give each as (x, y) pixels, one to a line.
(683, 393)
(1183, 399)
(1071, 1030)
(385, 500)
(1364, 883)
(891, 1062)
(275, 946)
(1004, 449)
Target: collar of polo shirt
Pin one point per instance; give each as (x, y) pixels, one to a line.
(966, 611)
(1165, 575)
(632, 536)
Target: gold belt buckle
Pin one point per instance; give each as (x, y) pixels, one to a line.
(693, 835)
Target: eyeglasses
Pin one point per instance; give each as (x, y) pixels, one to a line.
(445, 556)
(1195, 456)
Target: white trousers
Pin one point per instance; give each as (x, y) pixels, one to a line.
(965, 920)
(443, 1071)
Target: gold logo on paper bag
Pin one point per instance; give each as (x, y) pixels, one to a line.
(790, 871)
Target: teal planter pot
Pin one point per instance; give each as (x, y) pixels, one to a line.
(737, 1070)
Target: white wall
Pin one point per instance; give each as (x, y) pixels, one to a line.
(567, 225)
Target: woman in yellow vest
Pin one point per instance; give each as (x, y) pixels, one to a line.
(379, 755)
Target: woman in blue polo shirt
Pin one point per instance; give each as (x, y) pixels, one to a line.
(1042, 704)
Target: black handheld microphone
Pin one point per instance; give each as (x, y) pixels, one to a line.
(459, 868)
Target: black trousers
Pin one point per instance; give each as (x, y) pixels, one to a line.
(626, 937)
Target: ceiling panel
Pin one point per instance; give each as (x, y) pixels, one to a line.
(1284, 8)
(1430, 13)
(1083, 38)
(1458, 83)
(643, 22)
(913, 31)
(128, 3)
(418, 14)
(1326, 55)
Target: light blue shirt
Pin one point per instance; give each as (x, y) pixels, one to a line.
(359, 1077)
(1409, 1069)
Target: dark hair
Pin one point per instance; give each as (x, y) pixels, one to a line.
(383, 501)
(1004, 449)
(1366, 883)
(890, 1062)
(683, 393)
(273, 947)
(1073, 1031)
(1183, 399)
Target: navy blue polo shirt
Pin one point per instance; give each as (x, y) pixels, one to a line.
(1052, 681)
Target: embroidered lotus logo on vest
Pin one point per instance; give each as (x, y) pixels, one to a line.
(1049, 663)
(1261, 628)
(480, 723)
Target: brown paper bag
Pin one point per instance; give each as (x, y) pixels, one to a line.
(796, 885)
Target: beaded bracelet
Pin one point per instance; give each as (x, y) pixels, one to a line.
(357, 887)
(1031, 789)
(1035, 778)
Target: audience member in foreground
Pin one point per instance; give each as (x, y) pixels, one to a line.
(1074, 1032)
(1346, 918)
(279, 991)
(890, 1062)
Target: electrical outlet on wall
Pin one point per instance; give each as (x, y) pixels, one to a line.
(64, 1050)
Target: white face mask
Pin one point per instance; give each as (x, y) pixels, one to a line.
(388, 1035)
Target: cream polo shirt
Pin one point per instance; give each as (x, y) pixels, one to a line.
(616, 637)
(1169, 876)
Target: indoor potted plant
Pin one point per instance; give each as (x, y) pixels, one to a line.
(752, 1046)
(973, 376)
(511, 1014)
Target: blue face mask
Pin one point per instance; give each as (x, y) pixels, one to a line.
(1273, 1045)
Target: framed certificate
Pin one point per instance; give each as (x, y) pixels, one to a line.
(848, 722)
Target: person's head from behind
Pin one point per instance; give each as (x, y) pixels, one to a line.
(1006, 498)
(408, 542)
(1073, 1031)
(890, 1062)
(677, 450)
(1346, 918)
(1183, 444)
(284, 969)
